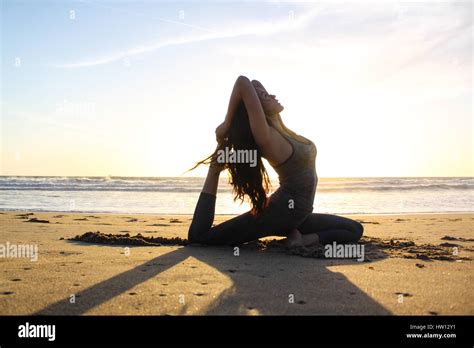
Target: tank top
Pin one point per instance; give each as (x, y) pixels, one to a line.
(297, 175)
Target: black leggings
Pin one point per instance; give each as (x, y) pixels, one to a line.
(247, 227)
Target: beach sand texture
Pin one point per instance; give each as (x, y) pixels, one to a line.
(76, 278)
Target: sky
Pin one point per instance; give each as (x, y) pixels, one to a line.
(137, 88)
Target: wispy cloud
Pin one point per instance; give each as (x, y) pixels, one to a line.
(287, 24)
(145, 16)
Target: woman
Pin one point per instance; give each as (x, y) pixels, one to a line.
(253, 122)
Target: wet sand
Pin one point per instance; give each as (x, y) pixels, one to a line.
(413, 264)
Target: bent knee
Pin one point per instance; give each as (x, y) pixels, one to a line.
(204, 237)
(359, 230)
(194, 235)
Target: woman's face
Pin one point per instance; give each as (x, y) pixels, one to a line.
(270, 104)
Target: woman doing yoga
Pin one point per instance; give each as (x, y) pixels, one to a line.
(253, 123)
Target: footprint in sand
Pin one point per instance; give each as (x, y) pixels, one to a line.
(451, 245)
(82, 219)
(69, 253)
(7, 292)
(132, 220)
(158, 225)
(368, 222)
(162, 295)
(36, 220)
(405, 294)
(16, 280)
(456, 238)
(23, 216)
(199, 294)
(175, 221)
(132, 293)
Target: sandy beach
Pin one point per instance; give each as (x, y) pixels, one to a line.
(76, 278)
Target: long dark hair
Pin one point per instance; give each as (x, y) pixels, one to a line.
(247, 181)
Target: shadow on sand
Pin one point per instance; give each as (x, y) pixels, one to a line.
(262, 281)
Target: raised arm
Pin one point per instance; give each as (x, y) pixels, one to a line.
(244, 91)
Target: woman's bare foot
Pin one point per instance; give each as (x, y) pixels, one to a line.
(310, 239)
(296, 239)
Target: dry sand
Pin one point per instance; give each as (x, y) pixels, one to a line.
(155, 280)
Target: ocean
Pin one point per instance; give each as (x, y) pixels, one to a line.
(178, 195)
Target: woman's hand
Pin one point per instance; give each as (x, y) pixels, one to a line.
(222, 131)
(215, 165)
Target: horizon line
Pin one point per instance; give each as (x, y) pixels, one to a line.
(203, 176)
